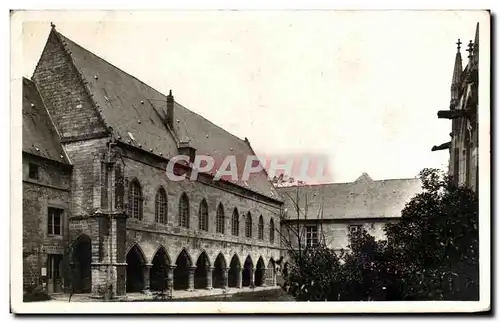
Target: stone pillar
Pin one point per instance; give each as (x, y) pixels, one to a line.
(170, 277)
(263, 272)
(225, 278)
(191, 271)
(146, 269)
(209, 277)
(239, 277)
(252, 277)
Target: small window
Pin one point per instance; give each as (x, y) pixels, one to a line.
(355, 228)
(54, 221)
(34, 171)
(311, 236)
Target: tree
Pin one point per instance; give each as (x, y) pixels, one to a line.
(431, 253)
(435, 246)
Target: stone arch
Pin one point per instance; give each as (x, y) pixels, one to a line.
(234, 271)
(159, 269)
(183, 264)
(81, 259)
(201, 271)
(271, 273)
(260, 272)
(247, 274)
(220, 266)
(136, 261)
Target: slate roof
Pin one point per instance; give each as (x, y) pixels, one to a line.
(363, 198)
(39, 135)
(130, 106)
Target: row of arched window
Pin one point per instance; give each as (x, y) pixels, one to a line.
(135, 201)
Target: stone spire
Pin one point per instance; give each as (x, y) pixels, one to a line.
(457, 72)
(475, 56)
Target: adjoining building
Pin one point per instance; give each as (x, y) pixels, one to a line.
(100, 214)
(463, 112)
(331, 211)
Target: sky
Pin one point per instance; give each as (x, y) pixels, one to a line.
(361, 88)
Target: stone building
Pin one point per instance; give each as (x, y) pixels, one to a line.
(99, 212)
(331, 211)
(463, 112)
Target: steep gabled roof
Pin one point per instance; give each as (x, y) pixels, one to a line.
(39, 135)
(136, 113)
(364, 198)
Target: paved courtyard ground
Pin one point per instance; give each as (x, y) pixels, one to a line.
(245, 294)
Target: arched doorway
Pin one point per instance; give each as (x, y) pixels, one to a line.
(159, 270)
(81, 260)
(201, 272)
(234, 271)
(181, 272)
(247, 272)
(260, 272)
(271, 273)
(218, 273)
(135, 268)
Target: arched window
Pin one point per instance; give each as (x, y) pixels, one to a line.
(248, 225)
(184, 211)
(203, 214)
(260, 233)
(161, 206)
(220, 219)
(236, 223)
(135, 200)
(271, 231)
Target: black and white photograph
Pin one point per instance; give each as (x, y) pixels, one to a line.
(239, 161)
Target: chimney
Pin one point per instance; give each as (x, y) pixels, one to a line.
(170, 110)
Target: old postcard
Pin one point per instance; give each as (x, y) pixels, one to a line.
(286, 161)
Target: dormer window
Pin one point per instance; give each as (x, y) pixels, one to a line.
(34, 171)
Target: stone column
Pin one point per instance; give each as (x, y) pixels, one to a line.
(209, 277)
(239, 276)
(225, 278)
(263, 272)
(252, 277)
(170, 277)
(191, 271)
(146, 269)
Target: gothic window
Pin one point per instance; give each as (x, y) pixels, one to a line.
(236, 223)
(271, 231)
(220, 219)
(261, 228)
(161, 206)
(135, 200)
(183, 219)
(248, 225)
(203, 214)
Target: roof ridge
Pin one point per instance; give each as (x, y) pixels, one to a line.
(354, 182)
